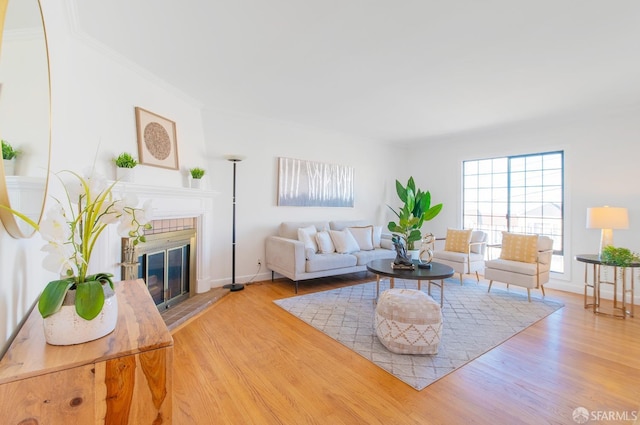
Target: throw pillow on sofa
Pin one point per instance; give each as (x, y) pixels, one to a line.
(344, 241)
(307, 235)
(377, 236)
(363, 236)
(325, 244)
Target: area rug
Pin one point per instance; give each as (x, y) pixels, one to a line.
(474, 322)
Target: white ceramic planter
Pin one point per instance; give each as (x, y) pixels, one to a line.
(9, 167)
(125, 174)
(67, 328)
(196, 183)
(414, 254)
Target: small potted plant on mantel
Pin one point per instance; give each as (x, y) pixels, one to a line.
(196, 177)
(125, 164)
(9, 154)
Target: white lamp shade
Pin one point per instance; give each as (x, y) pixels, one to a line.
(607, 218)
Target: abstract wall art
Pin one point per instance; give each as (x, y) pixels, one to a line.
(157, 143)
(305, 183)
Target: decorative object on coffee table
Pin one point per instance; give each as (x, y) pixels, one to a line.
(402, 260)
(157, 144)
(426, 251)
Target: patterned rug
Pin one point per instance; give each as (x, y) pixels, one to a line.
(474, 322)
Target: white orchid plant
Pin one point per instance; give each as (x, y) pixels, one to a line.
(71, 231)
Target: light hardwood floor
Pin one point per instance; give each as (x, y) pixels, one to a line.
(247, 361)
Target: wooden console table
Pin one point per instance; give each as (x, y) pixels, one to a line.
(619, 308)
(122, 378)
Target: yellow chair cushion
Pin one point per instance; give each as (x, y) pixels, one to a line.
(517, 247)
(457, 240)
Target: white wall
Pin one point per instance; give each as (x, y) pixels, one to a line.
(601, 168)
(263, 141)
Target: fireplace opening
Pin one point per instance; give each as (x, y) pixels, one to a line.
(167, 264)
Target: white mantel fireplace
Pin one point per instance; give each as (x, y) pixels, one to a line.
(168, 204)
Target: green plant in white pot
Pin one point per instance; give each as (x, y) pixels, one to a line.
(71, 230)
(125, 163)
(9, 154)
(411, 216)
(196, 176)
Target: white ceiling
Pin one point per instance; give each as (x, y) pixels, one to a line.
(387, 70)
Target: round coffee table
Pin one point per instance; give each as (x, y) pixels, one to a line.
(437, 271)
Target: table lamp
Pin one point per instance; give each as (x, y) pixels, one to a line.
(607, 218)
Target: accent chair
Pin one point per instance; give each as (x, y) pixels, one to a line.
(464, 251)
(525, 260)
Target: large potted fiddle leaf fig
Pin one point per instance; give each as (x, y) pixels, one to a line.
(411, 216)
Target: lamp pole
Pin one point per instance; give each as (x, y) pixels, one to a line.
(233, 286)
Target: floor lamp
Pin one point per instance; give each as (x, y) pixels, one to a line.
(234, 286)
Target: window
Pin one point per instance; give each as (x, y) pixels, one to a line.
(521, 194)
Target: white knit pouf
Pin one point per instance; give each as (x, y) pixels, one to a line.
(408, 321)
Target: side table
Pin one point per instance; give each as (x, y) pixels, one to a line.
(619, 308)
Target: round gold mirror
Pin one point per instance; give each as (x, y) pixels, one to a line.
(25, 114)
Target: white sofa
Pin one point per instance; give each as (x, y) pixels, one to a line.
(287, 254)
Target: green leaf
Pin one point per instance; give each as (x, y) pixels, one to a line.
(52, 297)
(422, 204)
(411, 184)
(414, 236)
(432, 212)
(103, 278)
(89, 299)
(402, 192)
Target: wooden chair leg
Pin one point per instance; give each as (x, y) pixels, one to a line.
(461, 279)
(477, 278)
(490, 283)
(543, 294)
(529, 294)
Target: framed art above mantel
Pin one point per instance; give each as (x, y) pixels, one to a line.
(157, 144)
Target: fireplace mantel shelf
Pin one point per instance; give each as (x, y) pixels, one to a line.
(163, 191)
